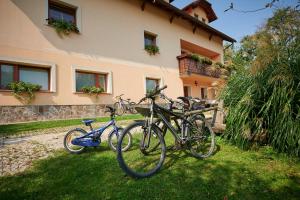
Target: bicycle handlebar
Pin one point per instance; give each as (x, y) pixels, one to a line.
(155, 92)
(119, 96)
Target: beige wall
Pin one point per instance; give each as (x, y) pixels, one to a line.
(200, 12)
(110, 39)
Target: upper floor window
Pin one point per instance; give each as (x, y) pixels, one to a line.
(61, 11)
(151, 84)
(203, 20)
(10, 73)
(196, 16)
(149, 39)
(84, 79)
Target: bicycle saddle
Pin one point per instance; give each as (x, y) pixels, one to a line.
(88, 122)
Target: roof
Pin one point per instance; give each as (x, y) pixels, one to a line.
(174, 11)
(211, 15)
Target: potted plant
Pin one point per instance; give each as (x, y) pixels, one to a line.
(63, 27)
(152, 49)
(25, 92)
(92, 90)
(207, 61)
(195, 57)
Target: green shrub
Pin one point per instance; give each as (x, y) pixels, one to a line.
(63, 27)
(207, 61)
(152, 49)
(195, 57)
(92, 90)
(24, 91)
(220, 65)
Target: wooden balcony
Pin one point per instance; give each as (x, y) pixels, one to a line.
(188, 66)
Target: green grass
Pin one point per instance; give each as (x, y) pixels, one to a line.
(231, 173)
(14, 129)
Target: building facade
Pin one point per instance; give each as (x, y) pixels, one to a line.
(107, 51)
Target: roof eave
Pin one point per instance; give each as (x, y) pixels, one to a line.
(176, 11)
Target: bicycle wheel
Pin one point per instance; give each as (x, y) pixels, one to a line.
(72, 134)
(119, 109)
(133, 161)
(201, 137)
(159, 123)
(132, 108)
(113, 140)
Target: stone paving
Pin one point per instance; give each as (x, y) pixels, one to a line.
(18, 153)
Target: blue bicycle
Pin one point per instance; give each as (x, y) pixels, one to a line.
(76, 140)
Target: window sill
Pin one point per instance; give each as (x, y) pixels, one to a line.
(3, 90)
(76, 32)
(88, 94)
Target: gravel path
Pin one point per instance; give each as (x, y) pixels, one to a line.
(18, 153)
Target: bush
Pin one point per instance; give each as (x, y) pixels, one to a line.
(24, 91)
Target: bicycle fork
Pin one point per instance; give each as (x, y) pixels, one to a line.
(147, 133)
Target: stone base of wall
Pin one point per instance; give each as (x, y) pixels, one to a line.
(13, 114)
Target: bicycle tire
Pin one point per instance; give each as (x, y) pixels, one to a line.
(205, 135)
(120, 157)
(66, 138)
(114, 147)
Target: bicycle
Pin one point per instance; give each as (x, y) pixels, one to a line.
(147, 154)
(76, 140)
(123, 105)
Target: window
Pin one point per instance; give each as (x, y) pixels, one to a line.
(149, 39)
(196, 16)
(151, 84)
(61, 11)
(90, 79)
(203, 19)
(13, 73)
(203, 93)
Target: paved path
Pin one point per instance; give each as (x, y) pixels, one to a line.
(18, 153)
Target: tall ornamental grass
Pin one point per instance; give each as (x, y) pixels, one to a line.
(264, 107)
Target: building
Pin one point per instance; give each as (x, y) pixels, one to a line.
(107, 51)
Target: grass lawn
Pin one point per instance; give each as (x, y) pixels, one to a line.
(15, 129)
(230, 174)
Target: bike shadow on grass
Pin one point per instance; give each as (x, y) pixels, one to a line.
(173, 155)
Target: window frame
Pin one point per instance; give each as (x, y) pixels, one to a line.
(151, 36)
(96, 76)
(16, 73)
(62, 7)
(157, 79)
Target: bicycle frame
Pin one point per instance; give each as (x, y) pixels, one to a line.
(122, 103)
(158, 110)
(101, 130)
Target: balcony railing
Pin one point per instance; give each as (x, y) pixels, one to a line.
(188, 66)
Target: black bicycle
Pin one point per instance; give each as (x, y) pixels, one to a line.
(148, 150)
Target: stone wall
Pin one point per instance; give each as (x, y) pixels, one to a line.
(13, 114)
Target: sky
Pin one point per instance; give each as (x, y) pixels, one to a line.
(236, 24)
